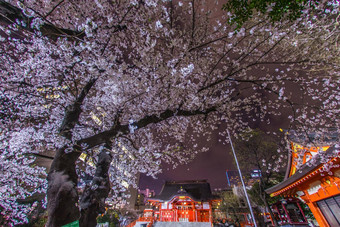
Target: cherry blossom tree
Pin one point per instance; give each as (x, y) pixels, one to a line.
(19, 179)
(124, 85)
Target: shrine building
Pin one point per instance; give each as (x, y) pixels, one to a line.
(182, 202)
(313, 176)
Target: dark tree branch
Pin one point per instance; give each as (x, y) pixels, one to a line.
(73, 111)
(102, 137)
(207, 43)
(10, 14)
(228, 77)
(41, 156)
(193, 20)
(51, 11)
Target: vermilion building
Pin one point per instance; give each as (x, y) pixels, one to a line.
(313, 176)
(187, 203)
(184, 201)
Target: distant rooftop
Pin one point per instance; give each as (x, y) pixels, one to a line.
(198, 190)
(329, 136)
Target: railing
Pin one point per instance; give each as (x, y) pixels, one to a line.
(148, 219)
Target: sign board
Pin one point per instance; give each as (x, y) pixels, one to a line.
(314, 187)
(72, 224)
(206, 205)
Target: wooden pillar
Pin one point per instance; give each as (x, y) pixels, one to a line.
(286, 212)
(303, 214)
(315, 210)
(278, 212)
(195, 215)
(176, 218)
(160, 216)
(318, 215)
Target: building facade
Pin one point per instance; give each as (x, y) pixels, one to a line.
(184, 201)
(313, 176)
(234, 180)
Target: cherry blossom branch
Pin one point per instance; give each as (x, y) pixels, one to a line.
(51, 11)
(223, 37)
(246, 67)
(11, 14)
(117, 130)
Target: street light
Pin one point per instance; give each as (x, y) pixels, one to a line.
(244, 187)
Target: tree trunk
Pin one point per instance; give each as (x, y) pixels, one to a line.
(62, 195)
(92, 202)
(263, 196)
(270, 212)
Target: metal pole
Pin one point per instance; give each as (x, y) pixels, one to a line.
(244, 187)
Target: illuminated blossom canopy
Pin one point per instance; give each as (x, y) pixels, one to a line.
(134, 83)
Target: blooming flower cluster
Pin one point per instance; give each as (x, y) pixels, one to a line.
(153, 78)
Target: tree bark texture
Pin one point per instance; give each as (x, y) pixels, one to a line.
(92, 202)
(62, 195)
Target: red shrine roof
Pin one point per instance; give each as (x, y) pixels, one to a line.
(305, 170)
(325, 138)
(198, 190)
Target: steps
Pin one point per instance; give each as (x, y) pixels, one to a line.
(182, 224)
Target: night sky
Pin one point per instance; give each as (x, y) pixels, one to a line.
(211, 165)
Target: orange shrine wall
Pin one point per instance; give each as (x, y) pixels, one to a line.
(182, 209)
(314, 187)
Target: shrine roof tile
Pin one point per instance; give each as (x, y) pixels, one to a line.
(303, 171)
(319, 139)
(198, 190)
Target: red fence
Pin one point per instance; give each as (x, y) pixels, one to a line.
(146, 219)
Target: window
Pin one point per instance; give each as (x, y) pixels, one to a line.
(330, 209)
(294, 213)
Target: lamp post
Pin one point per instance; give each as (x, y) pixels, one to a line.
(240, 173)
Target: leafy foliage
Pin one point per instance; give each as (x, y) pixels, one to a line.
(231, 206)
(257, 150)
(275, 10)
(255, 191)
(110, 216)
